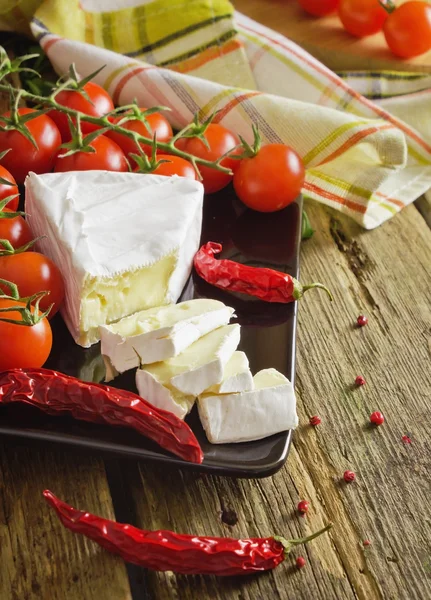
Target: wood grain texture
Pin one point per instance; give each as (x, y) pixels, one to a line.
(40, 560)
(326, 39)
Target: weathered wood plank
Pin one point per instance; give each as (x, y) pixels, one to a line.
(39, 559)
(385, 275)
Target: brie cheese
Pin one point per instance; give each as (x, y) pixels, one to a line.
(200, 366)
(162, 395)
(237, 376)
(264, 411)
(159, 333)
(124, 241)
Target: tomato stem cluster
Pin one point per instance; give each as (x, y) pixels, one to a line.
(28, 317)
(130, 112)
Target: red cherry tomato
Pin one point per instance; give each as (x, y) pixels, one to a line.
(24, 156)
(220, 141)
(319, 8)
(99, 105)
(107, 157)
(159, 125)
(270, 180)
(176, 166)
(33, 272)
(362, 17)
(408, 29)
(22, 346)
(9, 190)
(15, 230)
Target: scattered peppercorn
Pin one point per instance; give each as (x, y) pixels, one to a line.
(366, 543)
(314, 421)
(303, 506)
(300, 562)
(406, 439)
(349, 476)
(377, 418)
(361, 320)
(360, 380)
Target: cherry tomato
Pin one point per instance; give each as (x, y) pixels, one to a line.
(319, 8)
(159, 125)
(99, 105)
(9, 190)
(220, 141)
(107, 157)
(16, 230)
(408, 29)
(24, 156)
(270, 180)
(33, 272)
(176, 166)
(22, 346)
(362, 17)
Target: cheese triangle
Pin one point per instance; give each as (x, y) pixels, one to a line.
(124, 241)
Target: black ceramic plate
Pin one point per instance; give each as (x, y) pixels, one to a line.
(267, 336)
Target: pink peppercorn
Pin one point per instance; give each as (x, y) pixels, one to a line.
(315, 421)
(366, 543)
(406, 439)
(361, 320)
(360, 380)
(377, 418)
(303, 506)
(300, 562)
(349, 476)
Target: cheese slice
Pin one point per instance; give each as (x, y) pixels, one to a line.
(160, 333)
(264, 411)
(200, 366)
(162, 395)
(237, 376)
(124, 241)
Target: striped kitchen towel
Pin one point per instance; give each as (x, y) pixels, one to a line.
(365, 137)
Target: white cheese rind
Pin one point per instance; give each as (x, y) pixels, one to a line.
(247, 416)
(237, 376)
(124, 241)
(161, 396)
(165, 332)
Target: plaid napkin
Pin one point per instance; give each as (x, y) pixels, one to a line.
(365, 137)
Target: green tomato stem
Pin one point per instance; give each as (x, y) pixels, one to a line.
(167, 147)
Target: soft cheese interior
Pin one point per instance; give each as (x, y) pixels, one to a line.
(123, 241)
(201, 365)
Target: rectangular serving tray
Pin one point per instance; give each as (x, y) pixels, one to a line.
(268, 336)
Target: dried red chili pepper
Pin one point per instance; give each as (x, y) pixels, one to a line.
(58, 394)
(168, 551)
(266, 284)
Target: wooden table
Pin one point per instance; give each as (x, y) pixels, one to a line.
(384, 274)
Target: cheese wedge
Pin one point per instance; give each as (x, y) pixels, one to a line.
(264, 411)
(237, 376)
(162, 395)
(124, 241)
(160, 333)
(236, 379)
